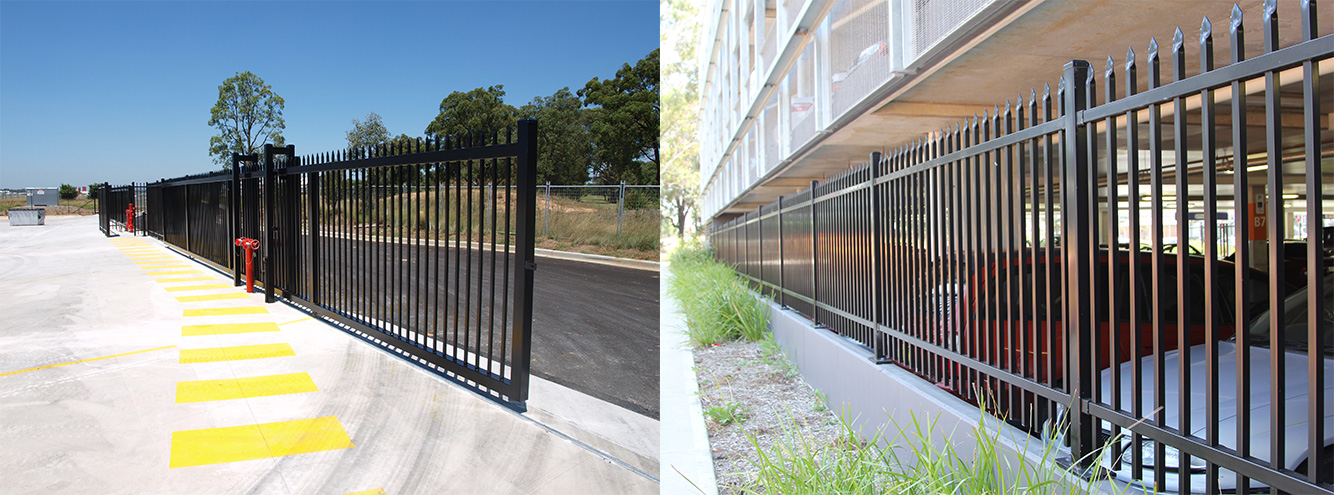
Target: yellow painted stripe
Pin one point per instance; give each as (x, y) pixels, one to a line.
(244, 388)
(85, 360)
(162, 261)
(182, 279)
(164, 267)
(177, 272)
(235, 353)
(146, 254)
(227, 328)
(377, 491)
(262, 441)
(179, 288)
(243, 310)
(297, 321)
(213, 297)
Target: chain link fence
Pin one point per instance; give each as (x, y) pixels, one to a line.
(619, 216)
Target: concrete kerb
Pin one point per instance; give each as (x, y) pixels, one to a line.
(686, 457)
(601, 259)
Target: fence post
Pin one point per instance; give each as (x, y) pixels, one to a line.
(876, 261)
(522, 310)
(313, 209)
(186, 193)
(546, 218)
(782, 289)
(234, 216)
(270, 197)
(620, 210)
(815, 260)
(1078, 229)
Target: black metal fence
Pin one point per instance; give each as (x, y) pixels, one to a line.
(1061, 254)
(113, 208)
(424, 248)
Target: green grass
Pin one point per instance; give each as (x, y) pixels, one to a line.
(726, 414)
(915, 460)
(717, 305)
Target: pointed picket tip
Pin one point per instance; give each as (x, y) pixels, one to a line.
(1235, 26)
(1270, 10)
(1111, 67)
(1033, 95)
(1178, 41)
(1046, 90)
(1130, 59)
(1153, 48)
(1019, 102)
(1206, 30)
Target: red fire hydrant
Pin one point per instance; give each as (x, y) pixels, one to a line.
(250, 245)
(129, 218)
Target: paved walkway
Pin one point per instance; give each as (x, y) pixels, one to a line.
(128, 369)
(686, 458)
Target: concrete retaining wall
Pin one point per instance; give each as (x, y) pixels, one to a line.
(883, 398)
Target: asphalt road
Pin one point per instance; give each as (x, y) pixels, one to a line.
(595, 326)
(595, 329)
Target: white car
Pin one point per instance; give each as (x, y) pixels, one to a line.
(1120, 459)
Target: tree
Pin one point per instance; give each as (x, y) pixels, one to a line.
(365, 134)
(68, 192)
(626, 132)
(564, 145)
(92, 190)
(680, 182)
(248, 114)
(479, 110)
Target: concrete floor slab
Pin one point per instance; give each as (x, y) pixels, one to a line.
(105, 426)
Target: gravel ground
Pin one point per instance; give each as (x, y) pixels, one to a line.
(771, 398)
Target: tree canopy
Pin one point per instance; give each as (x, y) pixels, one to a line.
(367, 133)
(479, 110)
(626, 131)
(248, 114)
(680, 181)
(564, 147)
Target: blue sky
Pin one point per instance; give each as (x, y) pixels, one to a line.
(121, 91)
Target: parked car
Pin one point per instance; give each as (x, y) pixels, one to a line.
(993, 312)
(1121, 460)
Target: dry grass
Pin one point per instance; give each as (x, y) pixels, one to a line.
(80, 205)
(573, 225)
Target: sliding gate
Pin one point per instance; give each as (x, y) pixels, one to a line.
(423, 248)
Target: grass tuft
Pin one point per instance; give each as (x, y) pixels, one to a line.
(718, 306)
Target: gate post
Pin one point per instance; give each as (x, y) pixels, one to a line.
(234, 215)
(270, 197)
(526, 210)
(1079, 228)
(620, 210)
(313, 211)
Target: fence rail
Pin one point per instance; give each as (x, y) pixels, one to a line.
(424, 249)
(1061, 256)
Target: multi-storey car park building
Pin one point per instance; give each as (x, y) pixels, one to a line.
(945, 187)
